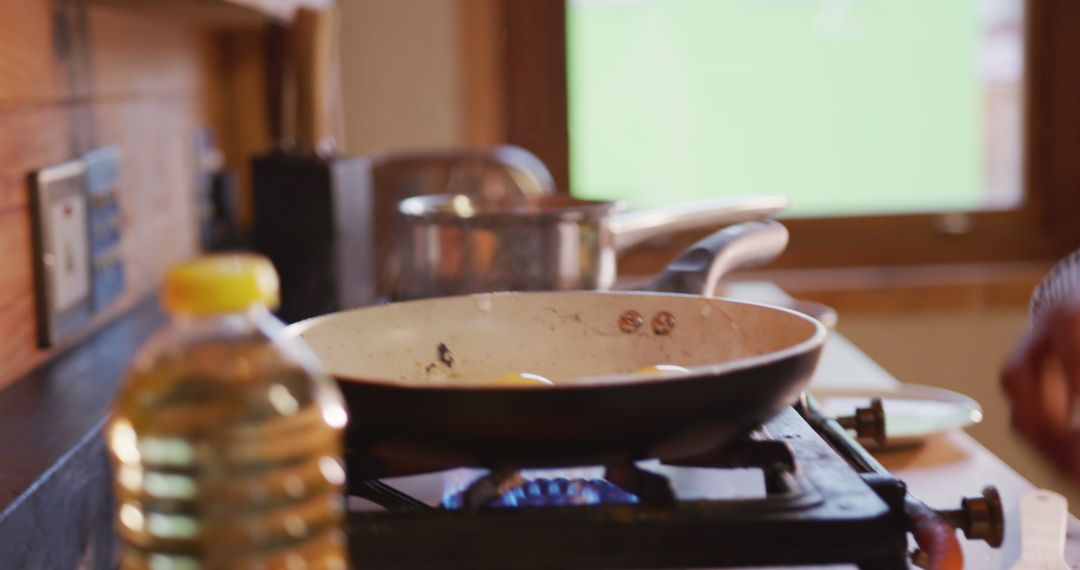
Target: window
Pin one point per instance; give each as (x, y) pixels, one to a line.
(847, 106)
(982, 162)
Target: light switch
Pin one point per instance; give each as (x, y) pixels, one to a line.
(69, 258)
(62, 251)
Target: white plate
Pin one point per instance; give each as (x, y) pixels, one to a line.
(912, 412)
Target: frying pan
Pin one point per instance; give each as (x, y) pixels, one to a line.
(413, 373)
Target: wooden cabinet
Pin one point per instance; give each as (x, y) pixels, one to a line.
(220, 13)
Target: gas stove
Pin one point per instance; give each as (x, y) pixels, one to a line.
(797, 491)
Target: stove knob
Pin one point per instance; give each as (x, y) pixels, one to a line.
(980, 518)
(868, 423)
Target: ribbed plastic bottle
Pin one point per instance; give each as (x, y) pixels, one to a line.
(225, 438)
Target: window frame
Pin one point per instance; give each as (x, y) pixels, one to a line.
(527, 106)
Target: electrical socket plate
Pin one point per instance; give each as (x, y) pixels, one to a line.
(61, 251)
(106, 247)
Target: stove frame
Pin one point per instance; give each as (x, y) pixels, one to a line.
(818, 509)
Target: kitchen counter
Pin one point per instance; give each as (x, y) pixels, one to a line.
(942, 471)
(55, 514)
(55, 491)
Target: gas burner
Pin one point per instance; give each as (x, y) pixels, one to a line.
(543, 492)
(797, 491)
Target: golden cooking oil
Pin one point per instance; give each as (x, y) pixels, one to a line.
(226, 437)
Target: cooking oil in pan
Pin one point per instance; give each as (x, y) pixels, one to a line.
(225, 440)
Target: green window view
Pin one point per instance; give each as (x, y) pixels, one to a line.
(848, 106)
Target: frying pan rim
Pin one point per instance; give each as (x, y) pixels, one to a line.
(815, 341)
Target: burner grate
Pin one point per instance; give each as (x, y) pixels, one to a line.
(816, 510)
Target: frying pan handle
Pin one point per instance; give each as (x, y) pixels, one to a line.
(699, 269)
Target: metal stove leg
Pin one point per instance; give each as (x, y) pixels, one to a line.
(649, 487)
(890, 564)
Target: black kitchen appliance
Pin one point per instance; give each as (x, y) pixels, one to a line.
(797, 491)
(313, 219)
(312, 208)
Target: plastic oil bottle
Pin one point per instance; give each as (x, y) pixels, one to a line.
(226, 438)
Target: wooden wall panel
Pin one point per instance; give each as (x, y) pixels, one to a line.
(242, 77)
(483, 68)
(220, 13)
(30, 70)
(1053, 119)
(130, 52)
(17, 328)
(142, 82)
(157, 181)
(29, 138)
(534, 65)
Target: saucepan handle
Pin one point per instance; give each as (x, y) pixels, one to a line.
(632, 228)
(699, 269)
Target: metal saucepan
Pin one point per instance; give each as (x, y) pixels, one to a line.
(457, 244)
(413, 373)
(496, 173)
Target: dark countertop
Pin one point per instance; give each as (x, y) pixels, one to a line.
(55, 497)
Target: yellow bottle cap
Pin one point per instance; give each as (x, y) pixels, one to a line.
(220, 284)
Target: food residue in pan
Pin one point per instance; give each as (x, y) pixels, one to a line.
(441, 370)
(445, 356)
